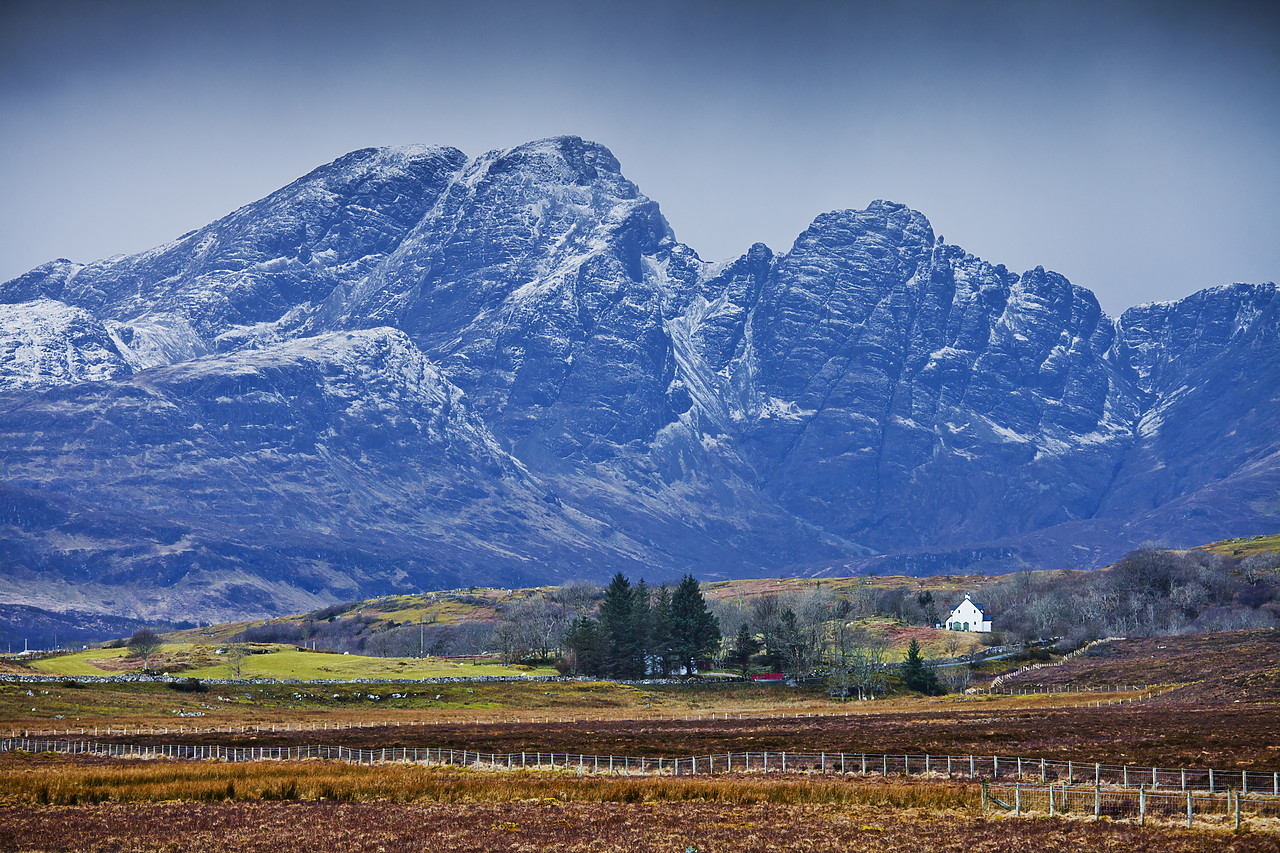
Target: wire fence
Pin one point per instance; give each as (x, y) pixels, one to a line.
(1126, 804)
(991, 768)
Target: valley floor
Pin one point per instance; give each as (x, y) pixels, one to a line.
(1217, 716)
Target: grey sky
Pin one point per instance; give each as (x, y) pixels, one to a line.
(1130, 146)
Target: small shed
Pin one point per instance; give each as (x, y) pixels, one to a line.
(968, 616)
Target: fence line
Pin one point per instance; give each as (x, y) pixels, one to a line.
(1119, 804)
(1144, 691)
(991, 768)
(1001, 679)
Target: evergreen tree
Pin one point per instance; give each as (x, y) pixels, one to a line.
(918, 675)
(661, 643)
(617, 627)
(584, 644)
(641, 629)
(745, 646)
(695, 631)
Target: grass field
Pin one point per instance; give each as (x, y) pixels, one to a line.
(274, 661)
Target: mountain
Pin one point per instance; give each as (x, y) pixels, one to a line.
(411, 369)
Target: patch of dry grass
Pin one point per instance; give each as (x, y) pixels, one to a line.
(63, 781)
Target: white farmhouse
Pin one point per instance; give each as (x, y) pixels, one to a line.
(967, 616)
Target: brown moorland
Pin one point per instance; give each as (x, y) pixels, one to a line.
(1228, 666)
(550, 824)
(1220, 736)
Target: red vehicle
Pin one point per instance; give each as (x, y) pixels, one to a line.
(768, 676)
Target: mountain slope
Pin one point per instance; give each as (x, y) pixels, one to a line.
(410, 369)
(267, 479)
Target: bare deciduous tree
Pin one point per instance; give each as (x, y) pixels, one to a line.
(235, 655)
(144, 643)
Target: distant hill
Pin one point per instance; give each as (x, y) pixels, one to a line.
(23, 627)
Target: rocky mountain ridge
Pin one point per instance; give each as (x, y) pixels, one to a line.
(410, 369)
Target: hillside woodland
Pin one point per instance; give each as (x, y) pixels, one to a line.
(634, 631)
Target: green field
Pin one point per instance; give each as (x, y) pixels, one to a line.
(275, 661)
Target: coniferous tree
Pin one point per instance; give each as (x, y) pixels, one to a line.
(695, 631)
(618, 643)
(585, 646)
(745, 646)
(661, 640)
(918, 675)
(641, 630)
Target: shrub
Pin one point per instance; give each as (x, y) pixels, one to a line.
(189, 685)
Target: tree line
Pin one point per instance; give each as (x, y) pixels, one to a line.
(635, 631)
(639, 632)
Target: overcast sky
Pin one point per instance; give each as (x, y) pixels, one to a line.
(1133, 147)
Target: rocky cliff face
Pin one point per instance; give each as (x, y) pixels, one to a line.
(411, 369)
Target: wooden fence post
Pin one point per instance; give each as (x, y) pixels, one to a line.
(1142, 805)
(1097, 801)
(1188, 809)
